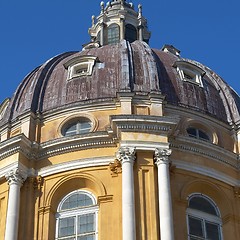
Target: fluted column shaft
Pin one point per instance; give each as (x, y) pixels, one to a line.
(15, 180)
(127, 158)
(164, 194)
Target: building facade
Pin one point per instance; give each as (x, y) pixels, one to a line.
(120, 141)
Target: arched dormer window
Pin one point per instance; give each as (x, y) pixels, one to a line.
(113, 34)
(189, 72)
(203, 218)
(76, 217)
(80, 66)
(130, 33)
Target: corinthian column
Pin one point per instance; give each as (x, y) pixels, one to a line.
(127, 157)
(164, 193)
(15, 180)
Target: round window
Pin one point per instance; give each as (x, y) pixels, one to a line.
(77, 126)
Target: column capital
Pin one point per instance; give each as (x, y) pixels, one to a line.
(161, 156)
(16, 176)
(126, 154)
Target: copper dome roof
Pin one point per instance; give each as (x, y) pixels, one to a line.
(131, 67)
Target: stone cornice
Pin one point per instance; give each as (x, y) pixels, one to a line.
(33, 150)
(143, 123)
(14, 145)
(209, 172)
(183, 110)
(204, 148)
(88, 105)
(78, 142)
(75, 164)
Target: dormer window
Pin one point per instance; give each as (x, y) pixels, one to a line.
(189, 72)
(113, 34)
(80, 66)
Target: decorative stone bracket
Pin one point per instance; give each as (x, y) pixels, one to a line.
(236, 190)
(115, 167)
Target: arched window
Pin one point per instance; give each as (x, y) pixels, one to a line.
(130, 33)
(203, 218)
(197, 133)
(76, 217)
(113, 34)
(76, 126)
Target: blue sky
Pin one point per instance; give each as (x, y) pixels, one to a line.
(31, 32)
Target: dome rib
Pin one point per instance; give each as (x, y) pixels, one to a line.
(38, 96)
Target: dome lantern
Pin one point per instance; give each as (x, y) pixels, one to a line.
(117, 21)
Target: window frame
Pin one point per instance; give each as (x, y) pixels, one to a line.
(76, 212)
(77, 122)
(198, 130)
(74, 66)
(131, 30)
(116, 38)
(204, 217)
(189, 72)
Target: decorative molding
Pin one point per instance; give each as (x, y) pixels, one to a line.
(53, 151)
(35, 151)
(36, 182)
(126, 154)
(105, 199)
(236, 191)
(209, 172)
(76, 164)
(16, 176)
(161, 156)
(84, 106)
(144, 145)
(206, 149)
(144, 123)
(19, 143)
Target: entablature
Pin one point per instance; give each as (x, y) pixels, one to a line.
(205, 149)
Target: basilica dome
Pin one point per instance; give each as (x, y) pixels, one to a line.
(100, 73)
(120, 141)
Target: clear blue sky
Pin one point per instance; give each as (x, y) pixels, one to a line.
(32, 31)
